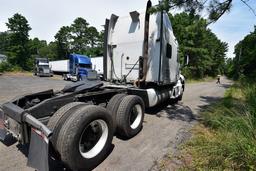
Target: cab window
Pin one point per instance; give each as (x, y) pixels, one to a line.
(169, 51)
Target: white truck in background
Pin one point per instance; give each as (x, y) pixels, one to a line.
(97, 65)
(42, 68)
(60, 66)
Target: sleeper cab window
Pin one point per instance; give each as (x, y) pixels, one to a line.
(169, 51)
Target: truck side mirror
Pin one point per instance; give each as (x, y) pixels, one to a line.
(186, 60)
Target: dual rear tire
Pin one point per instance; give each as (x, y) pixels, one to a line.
(83, 133)
(128, 113)
(84, 137)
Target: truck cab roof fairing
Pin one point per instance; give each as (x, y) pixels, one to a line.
(81, 59)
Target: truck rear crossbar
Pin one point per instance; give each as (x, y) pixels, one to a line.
(39, 138)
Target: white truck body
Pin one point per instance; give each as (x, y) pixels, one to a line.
(125, 41)
(3, 58)
(97, 64)
(61, 66)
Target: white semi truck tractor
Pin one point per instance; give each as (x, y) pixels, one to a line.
(76, 125)
(142, 50)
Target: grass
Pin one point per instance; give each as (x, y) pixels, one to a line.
(225, 139)
(18, 73)
(191, 81)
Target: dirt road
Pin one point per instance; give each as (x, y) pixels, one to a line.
(164, 127)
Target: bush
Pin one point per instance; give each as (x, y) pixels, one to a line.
(7, 67)
(226, 139)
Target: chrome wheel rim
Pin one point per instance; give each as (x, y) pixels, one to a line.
(135, 116)
(93, 138)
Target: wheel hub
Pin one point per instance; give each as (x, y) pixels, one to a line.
(93, 138)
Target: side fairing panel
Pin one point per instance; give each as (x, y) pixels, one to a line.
(154, 48)
(170, 66)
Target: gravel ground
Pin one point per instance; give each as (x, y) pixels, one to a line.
(163, 126)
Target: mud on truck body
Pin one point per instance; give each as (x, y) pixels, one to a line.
(76, 125)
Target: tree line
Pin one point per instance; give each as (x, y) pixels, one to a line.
(196, 40)
(206, 52)
(243, 64)
(79, 37)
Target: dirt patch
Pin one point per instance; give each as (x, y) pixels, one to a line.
(18, 74)
(172, 160)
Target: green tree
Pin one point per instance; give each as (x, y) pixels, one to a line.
(245, 58)
(80, 35)
(18, 51)
(206, 51)
(4, 42)
(35, 45)
(229, 68)
(41, 48)
(63, 39)
(50, 51)
(96, 40)
(93, 36)
(101, 39)
(214, 8)
(80, 38)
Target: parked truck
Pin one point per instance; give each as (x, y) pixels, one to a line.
(76, 68)
(97, 65)
(76, 125)
(41, 67)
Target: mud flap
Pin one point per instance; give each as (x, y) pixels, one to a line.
(38, 151)
(3, 131)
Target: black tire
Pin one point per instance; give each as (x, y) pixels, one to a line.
(113, 105)
(174, 101)
(64, 77)
(72, 133)
(78, 78)
(127, 125)
(56, 121)
(180, 97)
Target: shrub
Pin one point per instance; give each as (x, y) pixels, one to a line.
(226, 139)
(7, 67)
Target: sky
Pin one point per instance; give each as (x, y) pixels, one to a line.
(47, 16)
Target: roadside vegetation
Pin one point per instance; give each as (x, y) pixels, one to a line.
(7, 67)
(205, 50)
(198, 80)
(225, 138)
